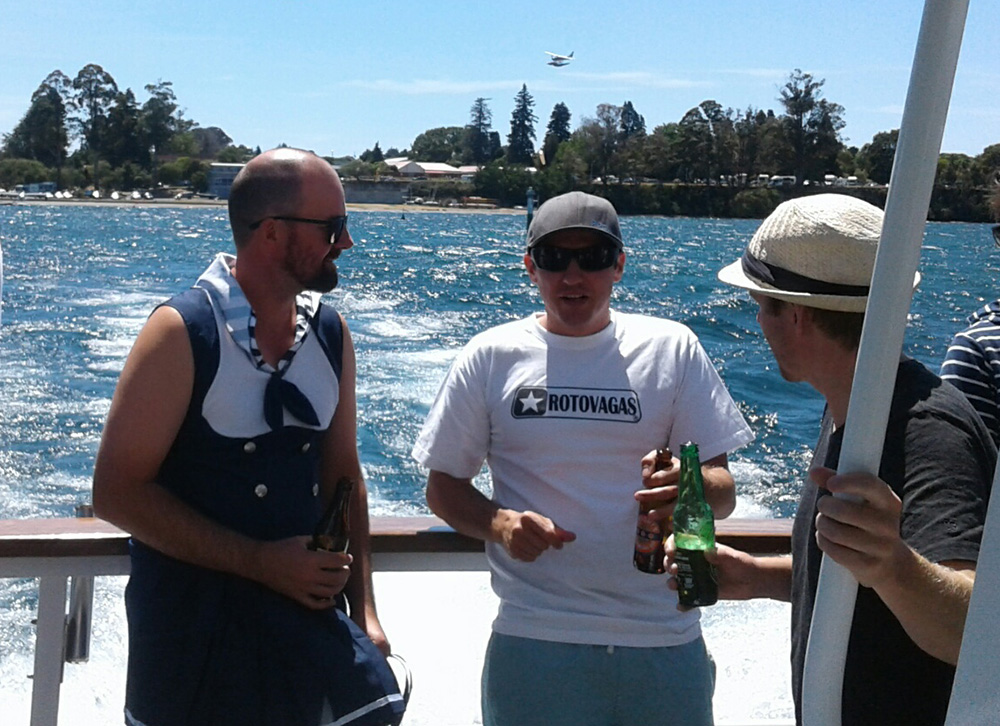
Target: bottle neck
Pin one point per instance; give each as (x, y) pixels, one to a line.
(690, 484)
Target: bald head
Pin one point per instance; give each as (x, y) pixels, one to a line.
(272, 184)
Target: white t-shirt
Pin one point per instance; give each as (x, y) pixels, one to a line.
(563, 423)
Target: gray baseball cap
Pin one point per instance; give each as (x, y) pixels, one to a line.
(575, 210)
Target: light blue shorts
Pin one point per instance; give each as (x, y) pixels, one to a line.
(530, 682)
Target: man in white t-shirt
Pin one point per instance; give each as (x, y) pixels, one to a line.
(564, 406)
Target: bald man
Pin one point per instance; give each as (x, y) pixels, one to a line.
(233, 419)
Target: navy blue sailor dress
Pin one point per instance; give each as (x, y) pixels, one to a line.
(211, 648)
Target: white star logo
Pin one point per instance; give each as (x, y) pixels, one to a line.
(530, 401)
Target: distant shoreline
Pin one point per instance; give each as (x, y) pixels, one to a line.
(168, 203)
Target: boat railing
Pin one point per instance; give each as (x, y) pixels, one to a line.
(72, 551)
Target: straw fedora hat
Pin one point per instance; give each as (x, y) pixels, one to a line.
(817, 251)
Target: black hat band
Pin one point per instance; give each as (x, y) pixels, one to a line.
(788, 281)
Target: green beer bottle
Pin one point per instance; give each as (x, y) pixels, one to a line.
(694, 532)
(333, 531)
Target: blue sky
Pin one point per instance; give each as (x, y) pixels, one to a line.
(336, 77)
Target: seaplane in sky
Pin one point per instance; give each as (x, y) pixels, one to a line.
(559, 60)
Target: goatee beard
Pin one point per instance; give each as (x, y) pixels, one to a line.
(324, 282)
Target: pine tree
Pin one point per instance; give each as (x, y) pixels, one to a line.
(632, 123)
(372, 156)
(521, 141)
(477, 139)
(556, 132)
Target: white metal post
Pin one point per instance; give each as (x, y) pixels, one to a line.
(911, 182)
(49, 642)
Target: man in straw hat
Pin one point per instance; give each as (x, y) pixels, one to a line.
(562, 405)
(910, 537)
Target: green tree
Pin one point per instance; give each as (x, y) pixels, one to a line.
(747, 128)
(184, 144)
(632, 123)
(22, 171)
(123, 140)
(556, 132)
(774, 154)
(160, 120)
(507, 183)
(563, 173)
(442, 144)
(127, 176)
(848, 163)
(955, 170)
(661, 153)
(521, 140)
(478, 142)
(357, 169)
(877, 156)
(186, 169)
(373, 156)
(707, 143)
(599, 140)
(210, 140)
(199, 179)
(94, 92)
(812, 126)
(987, 167)
(235, 155)
(41, 135)
(589, 144)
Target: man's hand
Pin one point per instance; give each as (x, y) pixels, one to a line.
(311, 578)
(660, 489)
(737, 572)
(526, 535)
(860, 533)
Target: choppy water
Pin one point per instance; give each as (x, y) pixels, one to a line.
(79, 282)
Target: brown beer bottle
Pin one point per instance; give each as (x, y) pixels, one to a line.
(332, 532)
(694, 532)
(648, 554)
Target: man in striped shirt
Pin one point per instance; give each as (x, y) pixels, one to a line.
(972, 364)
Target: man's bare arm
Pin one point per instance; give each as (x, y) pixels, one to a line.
(146, 413)
(525, 535)
(742, 576)
(930, 600)
(340, 459)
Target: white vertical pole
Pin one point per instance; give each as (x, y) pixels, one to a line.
(912, 179)
(49, 641)
(975, 696)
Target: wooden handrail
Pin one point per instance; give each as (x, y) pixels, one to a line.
(92, 537)
(54, 550)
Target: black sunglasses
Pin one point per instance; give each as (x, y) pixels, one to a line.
(334, 227)
(590, 259)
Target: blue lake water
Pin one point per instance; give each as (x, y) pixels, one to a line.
(80, 280)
